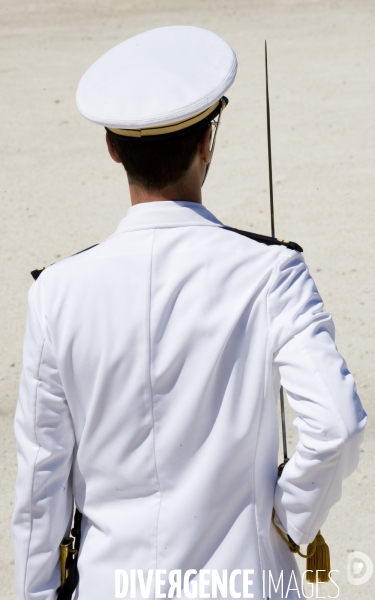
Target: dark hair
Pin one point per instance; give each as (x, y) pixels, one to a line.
(157, 163)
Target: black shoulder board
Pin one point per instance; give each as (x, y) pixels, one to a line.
(265, 239)
(35, 274)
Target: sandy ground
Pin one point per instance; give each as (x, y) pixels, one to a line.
(61, 192)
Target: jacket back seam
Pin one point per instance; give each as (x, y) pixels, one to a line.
(152, 399)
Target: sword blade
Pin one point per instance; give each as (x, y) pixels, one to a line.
(282, 406)
(269, 146)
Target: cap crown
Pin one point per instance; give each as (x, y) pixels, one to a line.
(157, 78)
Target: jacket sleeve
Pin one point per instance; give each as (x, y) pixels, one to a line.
(329, 416)
(45, 444)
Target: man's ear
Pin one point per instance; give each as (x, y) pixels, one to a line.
(111, 149)
(204, 145)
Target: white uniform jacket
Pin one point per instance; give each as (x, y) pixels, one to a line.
(151, 370)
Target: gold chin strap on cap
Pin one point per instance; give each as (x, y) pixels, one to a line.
(172, 127)
(216, 124)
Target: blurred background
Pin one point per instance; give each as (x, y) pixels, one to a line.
(60, 192)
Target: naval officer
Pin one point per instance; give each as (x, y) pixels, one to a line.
(152, 361)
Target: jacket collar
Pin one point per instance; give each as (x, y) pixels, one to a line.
(166, 213)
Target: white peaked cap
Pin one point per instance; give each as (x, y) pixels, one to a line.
(161, 77)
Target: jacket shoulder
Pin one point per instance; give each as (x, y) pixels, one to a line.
(265, 239)
(36, 272)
